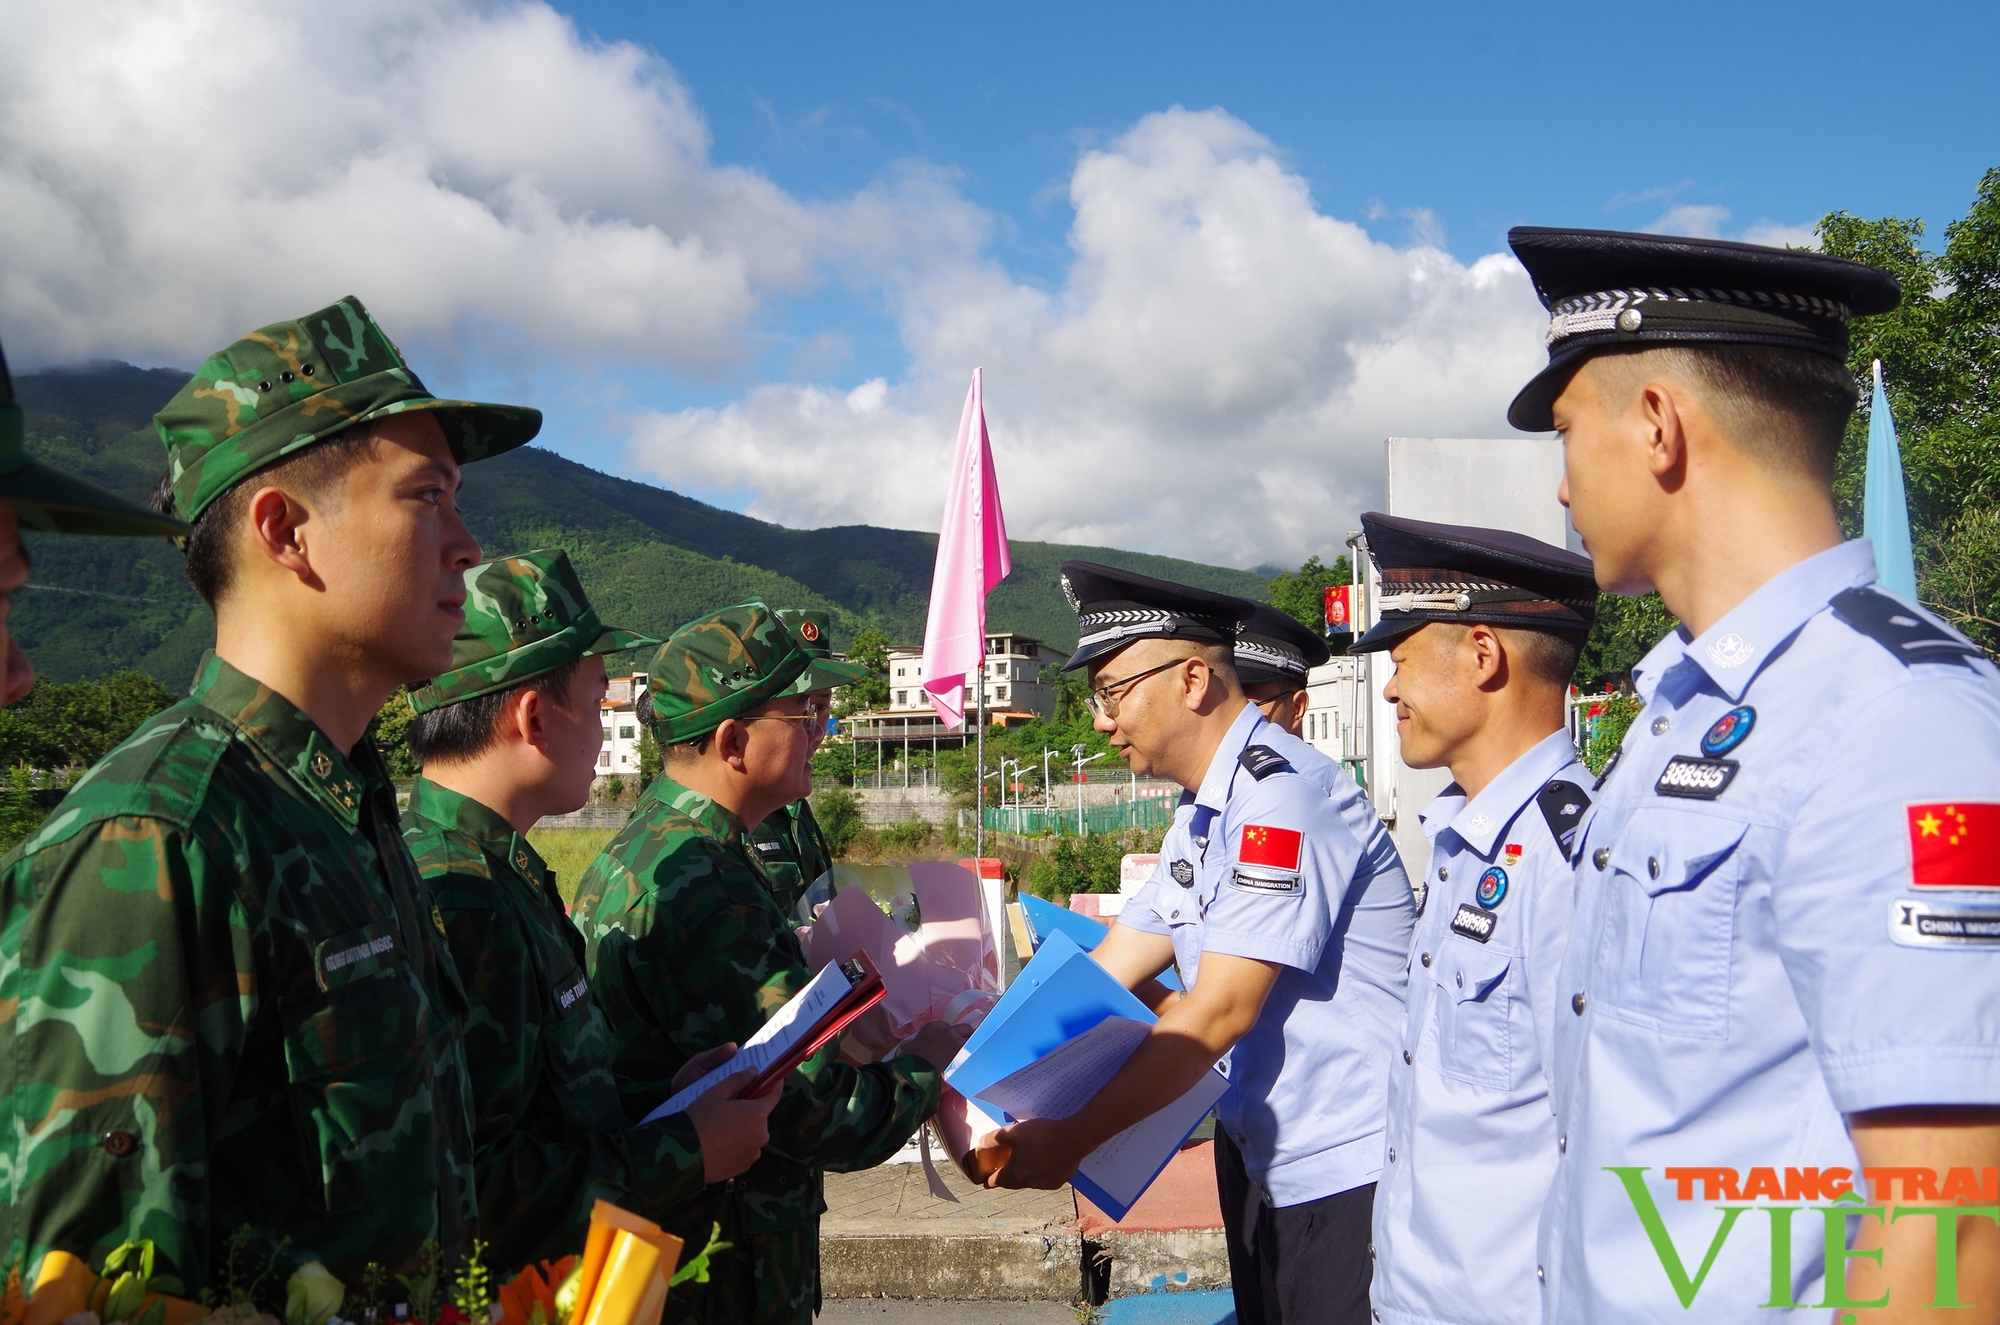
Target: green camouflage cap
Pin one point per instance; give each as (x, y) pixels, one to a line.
(525, 616)
(721, 667)
(812, 628)
(292, 384)
(54, 503)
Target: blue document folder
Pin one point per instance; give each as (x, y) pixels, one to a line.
(1046, 918)
(1059, 995)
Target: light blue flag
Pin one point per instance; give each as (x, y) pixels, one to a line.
(1885, 513)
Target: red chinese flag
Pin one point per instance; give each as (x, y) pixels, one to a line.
(1276, 847)
(1954, 845)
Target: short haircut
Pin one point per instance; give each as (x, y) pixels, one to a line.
(311, 474)
(1784, 407)
(465, 730)
(686, 752)
(1546, 655)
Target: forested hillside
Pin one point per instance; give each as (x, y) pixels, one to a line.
(651, 558)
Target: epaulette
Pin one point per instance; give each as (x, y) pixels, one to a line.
(1563, 805)
(1896, 628)
(1261, 761)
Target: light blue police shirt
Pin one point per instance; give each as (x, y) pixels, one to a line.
(1471, 1135)
(1752, 957)
(1306, 1083)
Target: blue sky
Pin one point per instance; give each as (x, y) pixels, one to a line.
(1208, 256)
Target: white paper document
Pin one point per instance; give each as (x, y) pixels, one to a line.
(793, 1022)
(1065, 1079)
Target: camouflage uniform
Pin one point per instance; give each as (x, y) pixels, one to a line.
(223, 998)
(549, 1133)
(789, 844)
(793, 852)
(688, 950)
(224, 1004)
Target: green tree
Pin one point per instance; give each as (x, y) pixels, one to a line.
(649, 756)
(839, 816)
(391, 729)
(1626, 630)
(1940, 353)
(75, 725)
(870, 648)
(1302, 593)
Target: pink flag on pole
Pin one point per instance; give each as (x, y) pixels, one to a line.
(971, 559)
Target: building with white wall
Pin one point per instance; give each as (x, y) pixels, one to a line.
(619, 714)
(1019, 678)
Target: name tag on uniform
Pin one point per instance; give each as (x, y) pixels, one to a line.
(1695, 779)
(1473, 922)
(353, 955)
(1964, 924)
(1265, 881)
(570, 997)
(770, 846)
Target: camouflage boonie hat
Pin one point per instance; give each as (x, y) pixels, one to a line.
(721, 667)
(292, 384)
(52, 502)
(812, 628)
(525, 616)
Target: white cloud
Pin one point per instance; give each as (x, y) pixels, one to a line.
(1214, 377)
(1695, 220)
(173, 172)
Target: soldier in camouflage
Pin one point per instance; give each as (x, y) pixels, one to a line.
(509, 734)
(224, 997)
(793, 850)
(687, 949)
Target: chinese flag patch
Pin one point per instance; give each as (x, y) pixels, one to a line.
(1953, 845)
(1275, 847)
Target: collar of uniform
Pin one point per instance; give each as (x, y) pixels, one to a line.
(289, 739)
(717, 820)
(1735, 649)
(1222, 769)
(496, 837)
(1481, 821)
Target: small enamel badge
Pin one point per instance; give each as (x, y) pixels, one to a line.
(1511, 855)
(1728, 731)
(1492, 887)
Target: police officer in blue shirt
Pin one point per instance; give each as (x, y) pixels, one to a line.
(1786, 953)
(1274, 654)
(1484, 627)
(1280, 897)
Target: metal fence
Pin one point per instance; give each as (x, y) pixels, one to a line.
(1117, 817)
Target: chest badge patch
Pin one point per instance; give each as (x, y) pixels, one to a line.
(1511, 855)
(1695, 779)
(1728, 731)
(1492, 888)
(1275, 848)
(1473, 923)
(1183, 872)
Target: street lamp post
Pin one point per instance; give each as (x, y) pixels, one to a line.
(1048, 788)
(1076, 752)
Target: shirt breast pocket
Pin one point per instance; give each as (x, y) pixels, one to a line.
(357, 1055)
(1670, 921)
(1474, 1004)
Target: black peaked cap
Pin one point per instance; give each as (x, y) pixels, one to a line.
(1610, 289)
(1462, 573)
(1115, 607)
(1273, 646)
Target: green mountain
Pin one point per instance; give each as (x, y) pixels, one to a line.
(651, 558)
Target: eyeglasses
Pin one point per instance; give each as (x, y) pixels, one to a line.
(813, 720)
(1105, 704)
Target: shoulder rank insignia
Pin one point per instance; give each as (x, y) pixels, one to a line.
(1261, 761)
(1563, 805)
(1899, 630)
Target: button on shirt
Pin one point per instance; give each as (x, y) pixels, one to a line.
(1306, 1084)
(1469, 1118)
(1740, 968)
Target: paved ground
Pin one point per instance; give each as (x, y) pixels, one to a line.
(879, 1312)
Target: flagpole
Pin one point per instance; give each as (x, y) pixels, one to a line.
(979, 744)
